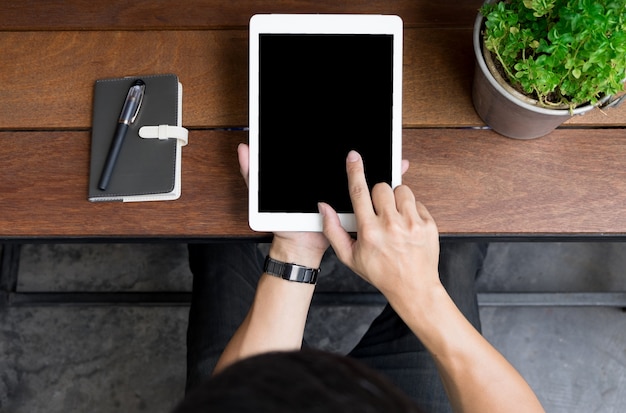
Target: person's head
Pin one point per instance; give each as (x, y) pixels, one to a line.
(297, 381)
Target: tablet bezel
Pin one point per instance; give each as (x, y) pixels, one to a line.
(317, 24)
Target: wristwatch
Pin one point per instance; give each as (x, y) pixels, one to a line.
(290, 271)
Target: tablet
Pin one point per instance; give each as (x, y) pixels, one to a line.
(320, 85)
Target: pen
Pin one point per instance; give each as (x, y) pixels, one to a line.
(127, 117)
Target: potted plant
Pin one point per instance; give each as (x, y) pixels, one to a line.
(540, 62)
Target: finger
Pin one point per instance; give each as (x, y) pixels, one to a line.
(405, 202)
(423, 212)
(359, 192)
(243, 154)
(405, 166)
(383, 199)
(339, 239)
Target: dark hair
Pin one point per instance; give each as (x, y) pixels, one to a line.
(297, 381)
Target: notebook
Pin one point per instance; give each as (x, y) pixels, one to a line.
(149, 164)
(320, 85)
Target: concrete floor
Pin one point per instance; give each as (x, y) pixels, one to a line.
(131, 358)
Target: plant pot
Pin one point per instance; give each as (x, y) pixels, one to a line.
(507, 111)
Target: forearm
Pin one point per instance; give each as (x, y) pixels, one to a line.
(278, 314)
(476, 376)
(275, 321)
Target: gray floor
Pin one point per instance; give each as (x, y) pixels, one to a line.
(131, 358)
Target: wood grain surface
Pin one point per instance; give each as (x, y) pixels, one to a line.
(474, 181)
(215, 14)
(47, 78)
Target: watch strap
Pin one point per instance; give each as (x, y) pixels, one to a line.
(290, 271)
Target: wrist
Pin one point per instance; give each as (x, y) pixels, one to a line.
(418, 307)
(290, 271)
(433, 317)
(295, 253)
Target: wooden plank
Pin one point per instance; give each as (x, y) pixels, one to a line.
(46, 78)
(570, 182)
(474, 182)
(202, 14)
(44, 184)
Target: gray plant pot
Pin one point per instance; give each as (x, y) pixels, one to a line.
(506, 113)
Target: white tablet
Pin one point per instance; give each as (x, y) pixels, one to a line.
(320, 85)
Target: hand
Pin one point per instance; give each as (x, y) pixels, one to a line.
(397, 250)
(303, 248)
(397, 245)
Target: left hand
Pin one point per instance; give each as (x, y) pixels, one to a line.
(303, 248)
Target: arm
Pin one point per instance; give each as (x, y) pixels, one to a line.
(278, 313)
(398, 251)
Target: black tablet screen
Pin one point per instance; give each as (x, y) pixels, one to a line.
(319, 97)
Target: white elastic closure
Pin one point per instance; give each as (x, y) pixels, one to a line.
(165, 132)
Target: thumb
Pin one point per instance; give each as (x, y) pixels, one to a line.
(339, 239)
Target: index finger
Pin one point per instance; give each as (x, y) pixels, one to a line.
(357, 185)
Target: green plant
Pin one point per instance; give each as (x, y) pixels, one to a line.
(560, 52)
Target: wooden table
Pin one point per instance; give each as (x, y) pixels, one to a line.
(571, 183)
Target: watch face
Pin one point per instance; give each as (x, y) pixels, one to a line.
(321, 95)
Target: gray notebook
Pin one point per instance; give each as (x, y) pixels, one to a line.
(147, 169)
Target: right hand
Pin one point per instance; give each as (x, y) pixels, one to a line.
(397, 245)
(397, 250)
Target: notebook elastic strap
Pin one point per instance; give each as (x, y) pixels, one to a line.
(165, 132)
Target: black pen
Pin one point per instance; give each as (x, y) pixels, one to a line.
(128, 116)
